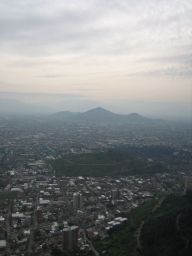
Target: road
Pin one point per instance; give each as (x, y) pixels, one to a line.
(8, 228)
(33, 227)
(96, 253)
(139, 230)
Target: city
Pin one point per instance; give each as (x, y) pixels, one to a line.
(45, 212)
(95, 128)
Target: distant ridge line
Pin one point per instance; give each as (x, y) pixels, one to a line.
(100, 115)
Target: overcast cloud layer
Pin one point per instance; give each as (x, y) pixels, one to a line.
(105, 50)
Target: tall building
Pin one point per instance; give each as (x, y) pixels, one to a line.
(3, 242)
(70, 238)
(188, 185)
(115, 195)
(39, 215)
(77, 201)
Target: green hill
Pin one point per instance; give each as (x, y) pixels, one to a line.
(123, 161)
(158, 228)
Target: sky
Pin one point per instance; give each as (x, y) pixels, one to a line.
(126, 55)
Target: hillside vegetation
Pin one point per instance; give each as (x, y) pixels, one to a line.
(122, 161)
(155, 229)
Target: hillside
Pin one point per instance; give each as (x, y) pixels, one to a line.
(161, 228)
(123, 161)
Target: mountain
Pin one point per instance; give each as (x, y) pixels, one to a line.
(63, 115)
(100, 116)
(100, 112)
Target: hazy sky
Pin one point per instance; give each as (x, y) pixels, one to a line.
(108, 51)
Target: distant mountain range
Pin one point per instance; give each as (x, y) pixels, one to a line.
(99, 115)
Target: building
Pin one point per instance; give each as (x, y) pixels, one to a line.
(188, 185)
(77, 201)
(39, 215)
(70, 238)
(3, 242)
(115, 195)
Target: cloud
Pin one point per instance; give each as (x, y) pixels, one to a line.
(81, 45)
(171, 72)
(178, 59)
(98, 26)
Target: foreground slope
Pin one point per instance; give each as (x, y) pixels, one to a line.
(159, 228)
